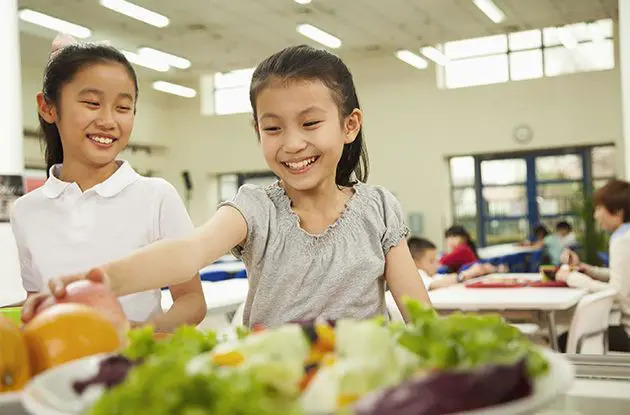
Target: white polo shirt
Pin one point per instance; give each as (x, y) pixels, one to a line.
(61, 230)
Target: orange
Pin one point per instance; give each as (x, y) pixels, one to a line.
(15, 369)
(66, 332)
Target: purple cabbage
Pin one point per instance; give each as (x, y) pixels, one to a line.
(111, 372)
(450, 392)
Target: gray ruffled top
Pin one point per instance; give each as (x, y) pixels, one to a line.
(294, 275)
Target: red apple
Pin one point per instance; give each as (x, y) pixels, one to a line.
(96, 295)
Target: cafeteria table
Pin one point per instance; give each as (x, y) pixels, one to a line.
(544, 300)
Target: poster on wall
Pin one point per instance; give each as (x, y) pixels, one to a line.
(11, 188)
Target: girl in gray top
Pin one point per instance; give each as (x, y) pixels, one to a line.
(317, 243)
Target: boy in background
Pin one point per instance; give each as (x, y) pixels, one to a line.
(425, 255)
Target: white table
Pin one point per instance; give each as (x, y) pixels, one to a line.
(497, 251)
(221, 297)
(545, 300)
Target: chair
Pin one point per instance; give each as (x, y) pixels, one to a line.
(392, 308)
(588, 332)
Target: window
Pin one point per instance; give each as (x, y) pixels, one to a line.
(584, 57)
(568, 166)
(489, 45)
(477, 71)
(526, 64)
(519, 191)
(230, 92)
(529, 39)
(464, 196)
(501, 172)
(529, 54)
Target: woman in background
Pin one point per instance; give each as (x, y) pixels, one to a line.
(612, 213)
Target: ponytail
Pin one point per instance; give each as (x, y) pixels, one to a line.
(53, 149)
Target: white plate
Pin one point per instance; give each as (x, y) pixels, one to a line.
(51, 392)
(556, 383)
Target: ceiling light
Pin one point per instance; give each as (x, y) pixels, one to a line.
(179, 90)
(412, 59)
(136, 12)
(53, 23)
(435, 55)
(319, 36)
(155, 64)
(491, 10)
(173, 60)
(302, 1)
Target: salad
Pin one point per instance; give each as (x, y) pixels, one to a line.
(344, 367)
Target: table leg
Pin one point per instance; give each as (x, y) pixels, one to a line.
(553, 332)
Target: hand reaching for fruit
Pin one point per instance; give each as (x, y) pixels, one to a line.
(57, 287)
(91, 290)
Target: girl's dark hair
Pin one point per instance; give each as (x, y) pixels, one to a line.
(306, 63)
(60, 70)
(458, 230)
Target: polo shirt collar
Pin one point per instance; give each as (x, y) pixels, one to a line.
(116, 183)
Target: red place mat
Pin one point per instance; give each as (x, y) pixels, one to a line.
(481, 284)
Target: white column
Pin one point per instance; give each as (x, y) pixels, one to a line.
(624, 65)
(11, 140)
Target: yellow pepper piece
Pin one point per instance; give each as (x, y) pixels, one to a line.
(315, 356)
(329, 359)
(232, 358)
(344, 400)
(325, 336)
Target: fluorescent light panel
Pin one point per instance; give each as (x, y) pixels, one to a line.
(491, 10)
(412, 59)
(54, 23)
(155, 64)
(136, 12)
(170, 88)
(302, 1)
(319, 36)
(435, 55)
(173, 60)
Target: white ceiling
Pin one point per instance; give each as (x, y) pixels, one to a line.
(220, 35)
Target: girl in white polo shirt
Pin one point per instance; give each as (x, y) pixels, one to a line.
(93, 208)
